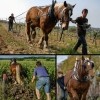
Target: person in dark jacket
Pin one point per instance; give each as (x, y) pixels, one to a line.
(10, 22)
(81, 31)
(43, 80)
(60, 81)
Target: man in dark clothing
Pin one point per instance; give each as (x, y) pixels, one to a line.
(81, 30)
(10, 22)
(60, 81)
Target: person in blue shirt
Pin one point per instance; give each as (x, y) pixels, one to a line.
(43, 80)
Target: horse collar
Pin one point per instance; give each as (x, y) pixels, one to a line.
(51, 14)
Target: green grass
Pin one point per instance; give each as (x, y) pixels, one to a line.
(29, 65)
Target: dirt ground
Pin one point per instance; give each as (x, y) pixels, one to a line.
(16, 42)
(16, 92)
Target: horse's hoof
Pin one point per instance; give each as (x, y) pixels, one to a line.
(40, 46)
(46, 49)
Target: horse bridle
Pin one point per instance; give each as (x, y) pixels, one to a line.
(91, 64)
(62, 15)
(76, 76)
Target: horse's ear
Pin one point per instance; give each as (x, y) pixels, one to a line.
(74, 5)
(65, 4)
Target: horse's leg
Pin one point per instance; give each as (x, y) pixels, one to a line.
(80, 96)
(74, 94)
(45, 40)
(71, 97)
(33, 32)
(28, 32)
(40, 43)
(84, 95)
(61, 34)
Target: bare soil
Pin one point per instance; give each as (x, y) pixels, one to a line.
(16, 42)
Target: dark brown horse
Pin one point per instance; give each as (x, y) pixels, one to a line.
(78, 81)
(16, 69)
(39, 17)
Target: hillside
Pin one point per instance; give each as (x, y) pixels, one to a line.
(69, 63)
(16, 42)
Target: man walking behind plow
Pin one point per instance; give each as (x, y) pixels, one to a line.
(10, 22)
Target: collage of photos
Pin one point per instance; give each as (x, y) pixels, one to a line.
(49, 50)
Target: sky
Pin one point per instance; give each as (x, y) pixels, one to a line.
(61, 58)
(19, 6)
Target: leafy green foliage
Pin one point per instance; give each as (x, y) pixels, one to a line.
(28, 67)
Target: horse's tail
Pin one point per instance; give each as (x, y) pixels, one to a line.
(18, 75)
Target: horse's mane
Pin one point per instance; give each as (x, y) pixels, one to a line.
(60, 5)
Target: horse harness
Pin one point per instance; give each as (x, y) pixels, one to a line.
(75, 72)
(62, 11)
(51, 14)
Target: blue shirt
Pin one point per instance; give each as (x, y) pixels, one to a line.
(40, 72)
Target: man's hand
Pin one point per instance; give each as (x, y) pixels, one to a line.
(70, 19)
(89, 25)
(73, 21)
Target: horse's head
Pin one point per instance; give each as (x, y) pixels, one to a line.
(64, 11)
(13, 60)
(89, 67)
(84, 68)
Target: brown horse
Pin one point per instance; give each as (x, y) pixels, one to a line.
(39, 17)
(78, 81)
(15, 69)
